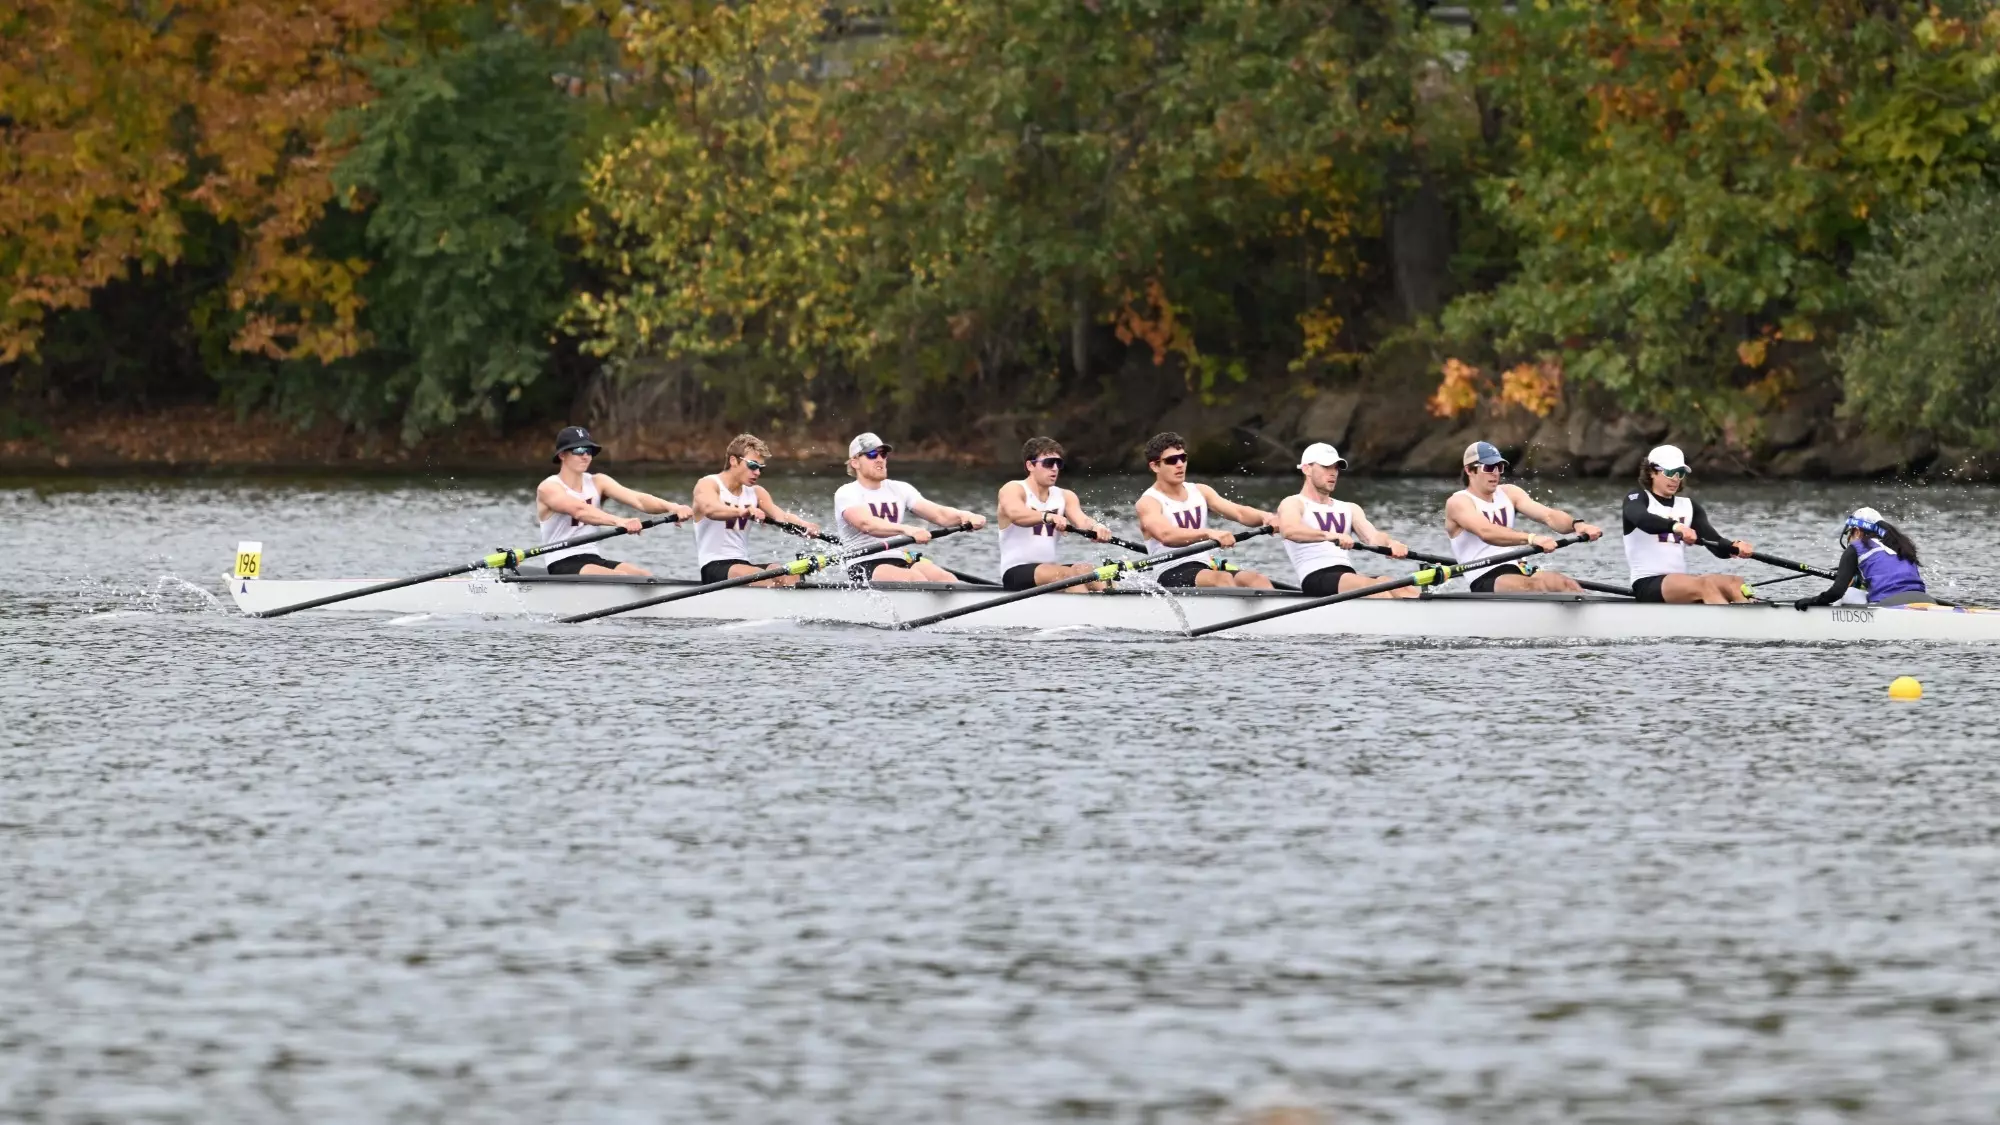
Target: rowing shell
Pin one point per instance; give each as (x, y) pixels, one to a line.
(1484, 616)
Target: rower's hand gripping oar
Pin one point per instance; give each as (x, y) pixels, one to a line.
(1109, 572)
(1428, 577)
(798, 530)
(504, 557)
(1142, 549)
(800, 567)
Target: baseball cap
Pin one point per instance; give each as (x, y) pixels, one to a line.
(1320, 453)
(1482, 453)
(571, 438)
(864, 443)
(1666, 458)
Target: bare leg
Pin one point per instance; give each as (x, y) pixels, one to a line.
(1252, 580)
(738, 570)
(1729, 586)
(1690, 589)
(621, 568)
(1046, 573)
(1213, 579)
(890, 572)
(1357, 581)
(1540, 582)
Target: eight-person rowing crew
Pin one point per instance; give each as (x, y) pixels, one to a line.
(1481, 520)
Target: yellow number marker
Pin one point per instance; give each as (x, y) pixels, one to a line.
(249, 560)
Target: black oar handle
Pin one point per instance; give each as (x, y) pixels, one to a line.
(1430, 577)
(503, 557)
(1109, 572)
(799, 530)
(800, 567)
(1114, 540)
(1413, 556)
(1774, 560)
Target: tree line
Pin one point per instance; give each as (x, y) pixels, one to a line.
(409, 216)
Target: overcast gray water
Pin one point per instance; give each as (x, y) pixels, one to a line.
(343, 868)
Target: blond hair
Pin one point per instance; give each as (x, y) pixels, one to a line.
(743, 444)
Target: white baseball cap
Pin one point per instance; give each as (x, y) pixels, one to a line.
(864, 443)
(1320, 453)
(1667, 458)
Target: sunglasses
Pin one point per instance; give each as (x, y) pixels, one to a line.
(754, 465)
(1175, 459)
(586, 451)
(1049, 462)
(1677, 474)
(876, 454)
(1496, 467)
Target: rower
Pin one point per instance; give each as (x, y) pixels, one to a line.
(1319, 530)
(572, 499)
(1660, 523)
(1884, 559)
(1033, 514)
(1481, 520)
(871, 507)
(727, 503)
(1174, 513)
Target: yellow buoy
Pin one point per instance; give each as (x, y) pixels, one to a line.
(1904, 687)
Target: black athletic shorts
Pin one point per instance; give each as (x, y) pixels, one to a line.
(1647, 589)
(1325, 580)
(715, 570)
(865, 570)
(1182, 576)
(574, 564)
(1484, 583)
(1020, 577)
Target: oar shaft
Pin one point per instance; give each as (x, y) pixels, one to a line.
(1777, 561)
(1428, 577)
(493, 561)
(799, 567)
(1114, 540)
(1605, 587)
(1109, 572)
(1413, 556)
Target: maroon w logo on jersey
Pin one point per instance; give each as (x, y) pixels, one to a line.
(1332, 521)
(1188, 519)
(885, 511)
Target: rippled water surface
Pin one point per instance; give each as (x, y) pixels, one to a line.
(349, 868)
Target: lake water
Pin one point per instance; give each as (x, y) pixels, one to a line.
(337, 868)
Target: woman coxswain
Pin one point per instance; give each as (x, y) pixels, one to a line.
(1877, 553)
(1660, 524)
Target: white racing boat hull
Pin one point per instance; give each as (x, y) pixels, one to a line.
(1491, 617)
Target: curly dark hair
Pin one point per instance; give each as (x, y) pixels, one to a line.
(1158, 444)
(1039, 447)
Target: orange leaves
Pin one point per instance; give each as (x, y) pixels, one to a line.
(1535, 387)
(1458, 392)
(114, 110)
(1154, 325)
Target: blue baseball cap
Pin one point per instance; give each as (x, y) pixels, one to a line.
(1483, 453)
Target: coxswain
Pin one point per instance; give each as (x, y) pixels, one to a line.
(1033, 513)
(1319, 530)
(872, 507)
(1660, 524)
(727, 503)
(1878, 554)
(1174, 514)
(572, 499)
(1482, 519)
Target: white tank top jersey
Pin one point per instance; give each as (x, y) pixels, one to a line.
(890, 502)
(1467, 547)
(1191, 514)
(1036, 542)
(560, 525)
(1649, 554)
(1336, 516)
(718, 540)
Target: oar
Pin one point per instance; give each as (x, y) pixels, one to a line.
(502, 557)
(1413, 556)
(1109, 572)
(803, 566)
(795, 529)
(1774, 560)
(1142, 549)
(1429, 577)
(1605, 587)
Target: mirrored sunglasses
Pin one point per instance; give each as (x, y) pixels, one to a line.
(753, 464)
(1175, 459)
(1495, 467)
(1049, 462)
(1677, 474)
(876, 454)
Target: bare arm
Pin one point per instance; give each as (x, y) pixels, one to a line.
(868, 523)
(708, 504)
(1241, 513)
(1368, 534)
(556, 498)
(1155, 525)
(1013, 506)
(944, 516)
(1553, 518)
(1073, 512)
(644, 501)
(772, 512)
(1460, 510)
